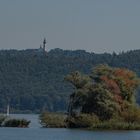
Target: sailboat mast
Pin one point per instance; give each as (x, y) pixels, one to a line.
(8, 110)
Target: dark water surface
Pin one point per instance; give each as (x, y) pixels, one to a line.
(35, 132)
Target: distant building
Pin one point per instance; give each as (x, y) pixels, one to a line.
(40, 51)
(43, 46)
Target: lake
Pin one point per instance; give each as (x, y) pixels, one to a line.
(35, 132)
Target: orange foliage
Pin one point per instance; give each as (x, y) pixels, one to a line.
(113, 87)
(127, 76)
(111, 84)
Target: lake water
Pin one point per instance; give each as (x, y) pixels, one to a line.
(35, 132)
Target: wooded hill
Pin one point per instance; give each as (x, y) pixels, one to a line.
(32, 80)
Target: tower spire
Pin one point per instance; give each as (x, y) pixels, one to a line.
(44, 44)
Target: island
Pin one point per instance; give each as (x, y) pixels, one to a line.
(105, 99)
(6, 121)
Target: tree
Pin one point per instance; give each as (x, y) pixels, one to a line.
(105, 92)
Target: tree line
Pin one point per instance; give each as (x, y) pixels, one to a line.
(33, 81)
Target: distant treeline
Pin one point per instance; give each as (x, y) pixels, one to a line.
(33, 81)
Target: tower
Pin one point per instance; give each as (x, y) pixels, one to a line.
(44, 44)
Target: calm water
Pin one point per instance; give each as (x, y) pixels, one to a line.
(37, 133)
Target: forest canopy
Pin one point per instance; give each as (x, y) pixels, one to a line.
(32, 81)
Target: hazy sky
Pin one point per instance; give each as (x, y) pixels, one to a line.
(93, 25)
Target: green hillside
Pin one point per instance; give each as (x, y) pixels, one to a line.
(31, 80)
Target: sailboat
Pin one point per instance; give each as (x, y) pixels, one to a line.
(7, 115)
(8, 110)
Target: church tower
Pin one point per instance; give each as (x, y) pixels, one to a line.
(44, 44)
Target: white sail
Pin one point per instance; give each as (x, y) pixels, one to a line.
(8, 110)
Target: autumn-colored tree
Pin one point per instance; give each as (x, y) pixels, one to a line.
(105, 92)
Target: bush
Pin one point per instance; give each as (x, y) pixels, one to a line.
(131, 115)
(115, 126)
(82, 121)
(53, 120)
(16, 123)
(2, 118)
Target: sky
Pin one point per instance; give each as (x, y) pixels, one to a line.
(93, 25)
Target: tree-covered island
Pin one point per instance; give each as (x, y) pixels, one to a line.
(103, 99)
(6, 121)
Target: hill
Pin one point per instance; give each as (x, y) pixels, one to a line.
(32, 80)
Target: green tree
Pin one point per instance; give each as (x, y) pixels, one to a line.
(105, 92)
